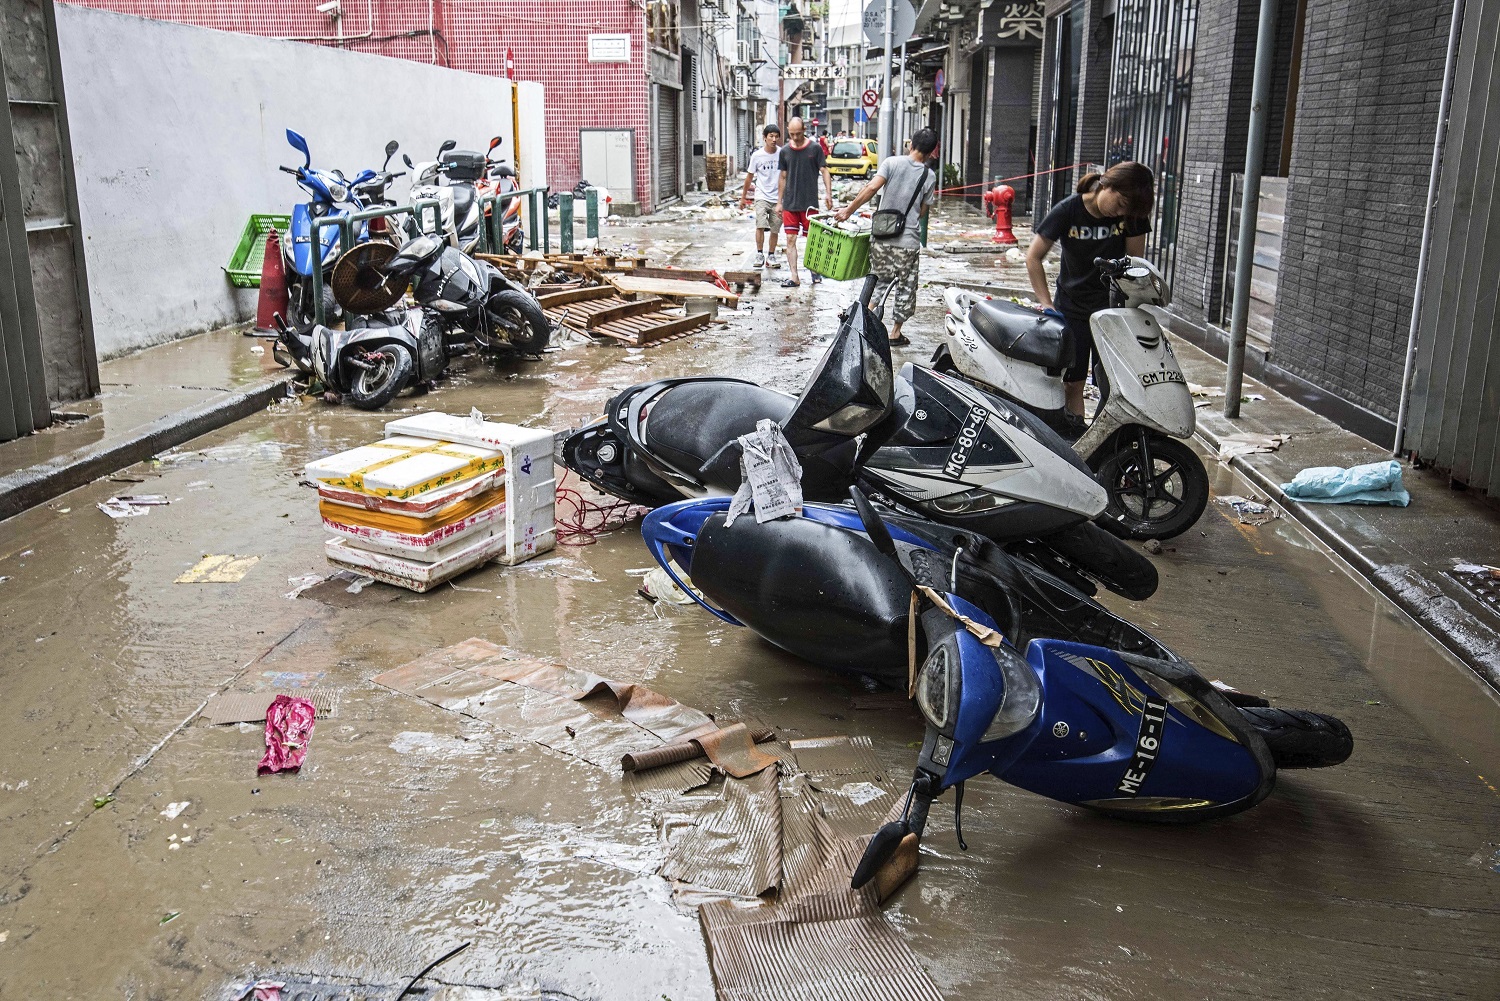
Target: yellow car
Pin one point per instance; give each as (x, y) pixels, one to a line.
(853, 157)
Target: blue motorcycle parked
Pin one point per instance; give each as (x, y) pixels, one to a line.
(333, 195)
(1067, 700)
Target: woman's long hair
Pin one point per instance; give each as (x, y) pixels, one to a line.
(1132, 181)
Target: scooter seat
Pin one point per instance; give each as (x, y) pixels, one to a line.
(692, 422)
(1021, 333)
(463, 200)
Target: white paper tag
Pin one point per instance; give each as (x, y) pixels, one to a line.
(771, 477)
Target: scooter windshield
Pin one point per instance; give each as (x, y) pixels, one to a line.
(852, 388)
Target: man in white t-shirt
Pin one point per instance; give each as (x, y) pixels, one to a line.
(764, 171)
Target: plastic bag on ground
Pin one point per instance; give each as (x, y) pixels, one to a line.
(1371, 483)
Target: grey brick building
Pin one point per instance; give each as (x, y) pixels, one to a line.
(1354, 113)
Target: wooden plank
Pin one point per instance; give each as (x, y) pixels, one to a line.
(617, 310)
(675, 288)
(676, 325)
(677, 274)
(576, 295)
(743, 278)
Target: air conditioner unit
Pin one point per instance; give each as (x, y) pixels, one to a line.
(744, 52)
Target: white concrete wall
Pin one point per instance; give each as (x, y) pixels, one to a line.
(177, 133)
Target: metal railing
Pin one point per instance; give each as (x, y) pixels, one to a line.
(345, 239)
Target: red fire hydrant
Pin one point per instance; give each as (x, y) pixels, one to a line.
(997, 204)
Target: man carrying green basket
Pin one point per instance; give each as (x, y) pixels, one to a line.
(895, 251)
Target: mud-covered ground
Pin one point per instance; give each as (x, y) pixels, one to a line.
(411, 829)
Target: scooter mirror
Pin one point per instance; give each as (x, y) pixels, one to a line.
(446, 146)
(390, 151)
(494, 145)
(300, 145)
(407, 160)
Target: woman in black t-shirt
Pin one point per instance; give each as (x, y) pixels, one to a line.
(1107, 217)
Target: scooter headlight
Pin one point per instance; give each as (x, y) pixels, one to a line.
(938, 685)
(968, 502)
(1022, 699)
(337, 191)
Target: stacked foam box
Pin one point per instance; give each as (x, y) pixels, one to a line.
(438, 496)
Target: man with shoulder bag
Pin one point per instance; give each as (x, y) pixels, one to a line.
(907, 185)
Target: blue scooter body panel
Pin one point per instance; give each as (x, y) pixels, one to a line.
(302, 256)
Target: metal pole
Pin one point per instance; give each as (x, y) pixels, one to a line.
(591, 214)
(901, 107)
(565, 223)
(1438, 142)
(1255, 152)
(886, 126)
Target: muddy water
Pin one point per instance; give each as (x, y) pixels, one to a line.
(411, 830)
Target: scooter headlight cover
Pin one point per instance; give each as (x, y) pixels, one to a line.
(937, 685)
(1022, 699)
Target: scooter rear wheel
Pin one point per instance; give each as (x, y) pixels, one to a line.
(522, 319)
(391, 369)
(1160, 504)
(1299, 738)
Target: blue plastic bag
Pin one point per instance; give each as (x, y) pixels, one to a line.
(1372, 483)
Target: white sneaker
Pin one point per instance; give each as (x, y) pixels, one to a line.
(773, 261)
(760, 259)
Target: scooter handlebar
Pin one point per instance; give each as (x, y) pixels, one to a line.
(867, 290)
(288, 170)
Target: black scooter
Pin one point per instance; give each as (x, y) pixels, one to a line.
(931, 444)
(373, 360)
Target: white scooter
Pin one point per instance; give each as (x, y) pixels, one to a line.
(1157, 485)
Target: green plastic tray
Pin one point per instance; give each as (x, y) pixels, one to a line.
(244, 266)
(835, 254)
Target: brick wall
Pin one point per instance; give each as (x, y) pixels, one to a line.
(549, 38)
(1366, 116)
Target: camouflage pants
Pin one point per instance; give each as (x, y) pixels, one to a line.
(896, 268)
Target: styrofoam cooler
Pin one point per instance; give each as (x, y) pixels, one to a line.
(530, 478)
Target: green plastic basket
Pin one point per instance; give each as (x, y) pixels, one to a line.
(244, 266)
(835, 254)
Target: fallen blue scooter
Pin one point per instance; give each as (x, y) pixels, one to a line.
(1096, 712)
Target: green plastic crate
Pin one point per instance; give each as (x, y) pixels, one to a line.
(244, 266)
(835, 254)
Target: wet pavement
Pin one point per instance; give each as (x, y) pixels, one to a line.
(411, 830)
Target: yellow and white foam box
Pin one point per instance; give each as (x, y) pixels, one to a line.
(530, 479)
(404, 467)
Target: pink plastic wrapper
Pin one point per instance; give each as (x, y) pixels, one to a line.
(289, 726)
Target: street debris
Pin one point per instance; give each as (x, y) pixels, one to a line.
(262, 990)
(100, 802)
(429, 968)
(658, 585)
(251, 707)
(1371, 483)
(174, 810)
(228, 569)
(289, 726)
(1249, 443)
(169, 916)
(128, 506)
(1249, 511)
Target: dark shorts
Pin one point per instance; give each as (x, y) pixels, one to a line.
(1083, 349)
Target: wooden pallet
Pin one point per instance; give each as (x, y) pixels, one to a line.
(602, 311)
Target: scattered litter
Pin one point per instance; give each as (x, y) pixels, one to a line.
(1249, 443)
(428, 969)
(219, 570)
(771, 477)
(1152, 546)
(256, 349)
(1250, 512)
(169, 916)
(251, 707)
(1371, 483)
(100, 802)
(263, 990)
(4, 935)
(1488, 857)
(658, 585)
(174, 810)
(122, 478)
(302, 583)
(860, 792)
(117, 508)
(289, 726)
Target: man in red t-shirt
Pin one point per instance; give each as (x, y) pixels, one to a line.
(801, 161)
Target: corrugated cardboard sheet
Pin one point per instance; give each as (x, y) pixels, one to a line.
(250, 707)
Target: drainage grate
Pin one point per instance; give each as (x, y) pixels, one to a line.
(1481, 582)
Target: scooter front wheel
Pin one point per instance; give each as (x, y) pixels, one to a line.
(1157, 486)
(389, 369)
(1299, 738)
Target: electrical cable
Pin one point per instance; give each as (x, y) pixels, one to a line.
(587, 520)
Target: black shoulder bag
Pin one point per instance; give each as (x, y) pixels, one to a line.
(887, 224)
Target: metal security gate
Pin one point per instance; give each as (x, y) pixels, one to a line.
(46, 329)
(1152, 81)
(1455, 399)
(668, 144)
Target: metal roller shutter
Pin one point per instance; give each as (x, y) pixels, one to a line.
(668, 144)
